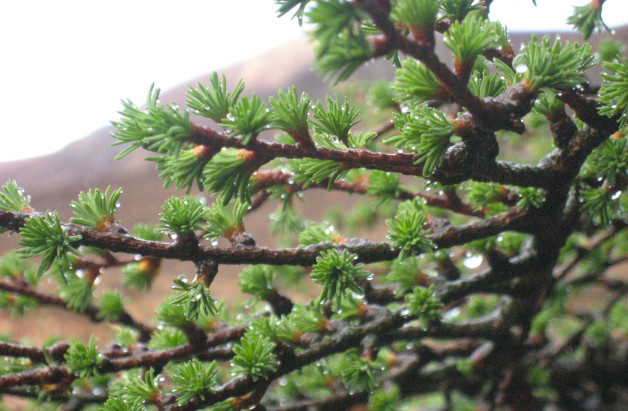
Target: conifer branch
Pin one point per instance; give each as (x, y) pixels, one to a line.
(91, 311)
(365, 251)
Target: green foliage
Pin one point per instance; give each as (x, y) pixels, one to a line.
(77, 292)
(163, 129)
(418, 14)
(135, 387)
(337, 274)
(308, 318)
(170, 313)
(45, 236)
(415, 83)
(286, 220)
(598, 334)
(182, 215)
(510, 242)
(599, 204)
(342, 46)
(286, 5)
(282, 329)
(247, 118)
(465, 366)
(18, 305)
(140, 275)
(315, 233)
(258, 280)
(12, 267)
(193, 378)
(479, 306)
(350, 342)
(406, 274)
(554, 65)
(384, 185)
(618, 317)
(166, 338)
(147, 232)
(531, 197)
(426, 132)
(254, 356)
(345, 55)
(424, 304)
(470, 38)
(331, 18)
(126, 338)
(119, 404)
(360, 140)
(609, 50)
(185, 169)
(458, 9)
(486, 85)
(588, 18)
(83, 359)
(359, 373)
(290, 113)
(95, 209)
(482, 195)
(613, 93)
(195, 299)
(553, 310)
(12, 198)
(407, 230)
(381, 95)
(548, 104)
(385, 400)
(111, 305)
(336, 119)
(224, 220)
(510, 76)
(311, 170)
(228, 173)
(214, 103)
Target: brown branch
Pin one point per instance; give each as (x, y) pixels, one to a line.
(35, 354)
(352, 158)
(269, 178)
(424, 52)
(91, 311)
(366, 251)
(81, 398)
(52, 374)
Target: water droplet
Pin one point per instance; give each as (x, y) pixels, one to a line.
(472, 261)
(521, 68)
(454, 312)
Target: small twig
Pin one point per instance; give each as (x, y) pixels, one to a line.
(91, 311)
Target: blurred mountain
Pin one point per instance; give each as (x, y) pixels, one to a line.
(54, 180)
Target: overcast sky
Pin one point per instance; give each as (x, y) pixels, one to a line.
(65, 65)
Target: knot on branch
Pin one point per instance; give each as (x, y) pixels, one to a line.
(465, 159)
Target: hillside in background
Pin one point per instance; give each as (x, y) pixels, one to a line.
(54, 180)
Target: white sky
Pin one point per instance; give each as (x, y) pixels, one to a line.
(65, 65)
